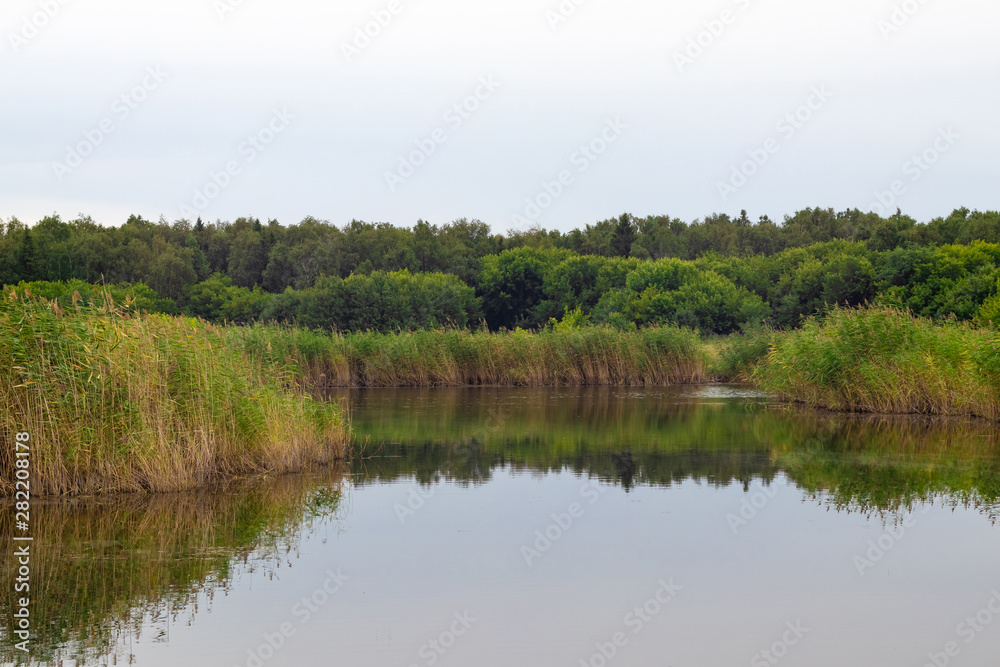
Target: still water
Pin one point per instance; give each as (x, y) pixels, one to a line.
(482, 527)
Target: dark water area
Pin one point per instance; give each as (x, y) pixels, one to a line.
(604, 526)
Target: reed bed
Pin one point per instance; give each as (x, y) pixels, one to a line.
(735, 356)
(454, 357)
(881, 359)
(115, 402)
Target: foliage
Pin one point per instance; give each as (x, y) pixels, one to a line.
(118, 402)
(678, 292)
(571, 320)
(247, 269)
(382, 301)
(951, 280)
(217, 299)
(512, 285)
(803, 281)
(739, 354)
(592, 355)
(581, 281)
(135, 298)
(881, 359)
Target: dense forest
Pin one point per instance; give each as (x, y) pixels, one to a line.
(718, 275)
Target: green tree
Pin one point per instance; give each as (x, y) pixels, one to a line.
(247, 259)
(625, 235)
(677, 291)
(383, 301)
(512, 285)
(172, 271)
(24, 257)
(217, 299)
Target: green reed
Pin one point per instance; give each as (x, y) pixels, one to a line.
(881, 359)
(119, 402)
(457, 357)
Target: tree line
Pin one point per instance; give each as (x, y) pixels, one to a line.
(718, 274)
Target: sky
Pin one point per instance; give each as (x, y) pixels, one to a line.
(518, 113)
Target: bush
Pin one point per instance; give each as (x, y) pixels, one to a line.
(579, 282)
(948, 281)
(512, 285)
(384, 301)
(217, 299)
(678, 292)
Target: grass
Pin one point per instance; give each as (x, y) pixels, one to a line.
(451, 357)
(734, 357)
(880, 359)
(115, 402)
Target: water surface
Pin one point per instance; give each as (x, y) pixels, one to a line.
(691, 526)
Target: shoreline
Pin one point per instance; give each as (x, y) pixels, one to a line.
(121, 402)
(105, 401)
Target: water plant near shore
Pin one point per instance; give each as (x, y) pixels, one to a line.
(116, 402)
(882, 359)
(585, 356)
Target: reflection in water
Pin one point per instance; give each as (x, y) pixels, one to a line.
(103, 568)
(714, 435)
(495, 464)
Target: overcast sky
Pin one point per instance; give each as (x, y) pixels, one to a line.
(514, 112)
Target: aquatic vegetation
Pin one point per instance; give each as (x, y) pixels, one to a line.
(882, 359)
(456, 357)
(116, 402)
(734, 357)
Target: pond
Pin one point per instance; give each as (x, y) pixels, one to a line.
(682, 526)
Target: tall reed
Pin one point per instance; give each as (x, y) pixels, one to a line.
(456, 357)
(738, 354)
(115, 402)
(881, 359)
